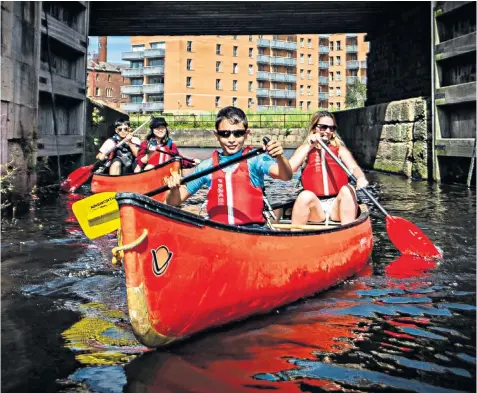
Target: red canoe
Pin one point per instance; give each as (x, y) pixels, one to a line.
(185, 274)
(140, 183)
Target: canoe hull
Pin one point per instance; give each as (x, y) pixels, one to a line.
(190, 274)
(140, 183)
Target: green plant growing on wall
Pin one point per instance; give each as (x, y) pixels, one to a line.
(7, 187)
(355, 95)
(96, 120)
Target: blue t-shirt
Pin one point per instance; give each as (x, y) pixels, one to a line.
(258, 167)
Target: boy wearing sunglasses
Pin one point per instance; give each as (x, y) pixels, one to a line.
(235, 194)
(327, 193)
(122, 159)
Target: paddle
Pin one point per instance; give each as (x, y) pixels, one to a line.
(175, 155)
(405, 236)
(98, 214)
(81, 175)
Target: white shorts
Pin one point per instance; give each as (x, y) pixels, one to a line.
(326, 205)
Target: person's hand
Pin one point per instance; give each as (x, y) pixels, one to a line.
(174, 181)
(128, 137)
(101, 156)
(196, 161)
(361, 182)
(313, 140)
(274, 148)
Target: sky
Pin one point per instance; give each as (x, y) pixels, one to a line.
(116, 45)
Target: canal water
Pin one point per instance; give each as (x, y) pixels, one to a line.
(401, 325)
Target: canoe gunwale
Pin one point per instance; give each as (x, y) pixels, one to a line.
(182, 216)
(139, 173)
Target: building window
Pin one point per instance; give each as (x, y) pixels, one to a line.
(302, 89)
(309, 59)
(109, 92)
(188, 100)
(124, 96)
(235, 68)
(308, 105)
(96, 77)
(189, 46)
(309, 74)
(260, 36)
(250, 52)
(235, 37)
(189, 64)
(301, 105)
(234, 101)
(302, 58)
(235, 51)
(250, 37)
(188, 81)
(309, 43)
(331, 75)
(331, 45)
(302, 74)
(250, 103)
(338, 45)
(302, 42)
(338, 91)
(217, 101)
(97, 91)
(136, 99)
(289, 103)
(156, 63)
(234, 85)
(261, 67)
(338, 60)
(218, 84)
(331, 60)
(250, 69)
(261, 85)
(156, 98)
(218, 49)
(124, 80)
(218, 66)
(261, 51)
(331, 92)
(308, 90)
(109, 78)
(250, 86)
(338, 75)
(137, 64)
(338, 105)
(137, 48)
(158, 45)
(156, 79)
(136, 82)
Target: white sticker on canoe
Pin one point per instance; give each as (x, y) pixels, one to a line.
(161, 257)
(363, 242)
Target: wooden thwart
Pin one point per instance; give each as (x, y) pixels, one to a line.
(308, 227)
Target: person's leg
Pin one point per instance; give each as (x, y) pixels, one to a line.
(148, 166)
(307, 208)
(115, 168)
(345, 207)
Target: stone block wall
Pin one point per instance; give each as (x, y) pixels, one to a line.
(394, 137)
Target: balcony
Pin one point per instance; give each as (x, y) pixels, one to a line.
(285, 61)
(138, 55)
(351, 35)
(263, 43)
(291, 94)
(364, 79)
(263, 93)
(283, 45)
(352, 48)
(323, 64)
(153, 106)
(153, 88)
(323, 80)
(132, 107)
(364, 64)
(275, 76)
(324, 49)
(154, 70)
(131, 89)
(351, 79)
(149, 53)
(132, 72)
(275, 108)
(323, 96)
(263, 76)
(352, 64)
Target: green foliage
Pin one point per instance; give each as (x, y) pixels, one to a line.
(355, 95)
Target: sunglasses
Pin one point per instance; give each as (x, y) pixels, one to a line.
(122, 128)
(235, 133)
(323, 127)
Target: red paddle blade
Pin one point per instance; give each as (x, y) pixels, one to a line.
(409, 266)
(77, 178)
(409, 239)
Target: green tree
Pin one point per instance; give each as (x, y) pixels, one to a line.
(355, 95)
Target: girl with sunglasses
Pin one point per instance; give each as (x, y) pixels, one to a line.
(121, 160)
(158, 147)
(326, 193)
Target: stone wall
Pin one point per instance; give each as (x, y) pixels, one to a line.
(399, 61)
(394, 137)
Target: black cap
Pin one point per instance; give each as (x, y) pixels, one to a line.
(157, 122)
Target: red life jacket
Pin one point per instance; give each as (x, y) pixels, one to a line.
(158, 157)
(322, 175)
(232, 199)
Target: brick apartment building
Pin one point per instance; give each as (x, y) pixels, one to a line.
(197, 74)
(104, 80)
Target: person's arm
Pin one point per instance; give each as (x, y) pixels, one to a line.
(299, 156)
(178, 193)
(282, 169)
(142, 155)
(105, 148)
(353, 167)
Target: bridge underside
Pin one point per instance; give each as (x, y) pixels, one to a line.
(230, 18)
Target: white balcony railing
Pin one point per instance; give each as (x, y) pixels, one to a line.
(323, 96)
(351, 79)
(323, 80)
(352, 48)
(154, 70)
(131, 89)
(153, 106)
(138, 55)
(323, 64)
(132, 107)
(283, 94)
(276, 108)
(324, 49)
(132, 72)
(263, 92)
(352, 64)
(149, 53)
(153, 88)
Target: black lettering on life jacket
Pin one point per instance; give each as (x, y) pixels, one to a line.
(161, 257)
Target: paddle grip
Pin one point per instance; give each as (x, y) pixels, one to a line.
(352, 177)
(174, 155)
(194, 176)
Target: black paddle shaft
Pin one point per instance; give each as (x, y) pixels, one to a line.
(175, 155)
(351, 176)
(206, 172)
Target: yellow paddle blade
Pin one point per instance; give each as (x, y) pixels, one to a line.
(98, 214)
